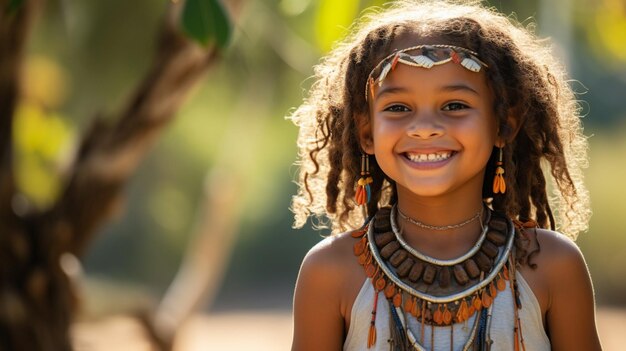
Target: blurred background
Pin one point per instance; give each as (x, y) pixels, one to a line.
(85, 57)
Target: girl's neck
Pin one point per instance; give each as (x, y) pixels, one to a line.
(451, 208)
(441, 211)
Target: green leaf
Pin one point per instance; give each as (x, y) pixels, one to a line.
(14, 5)
(42, 139)
(332, 20)
(206, 22)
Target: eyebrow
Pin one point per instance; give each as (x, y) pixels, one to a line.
(447, 88)
(456, 87)
(390, 90)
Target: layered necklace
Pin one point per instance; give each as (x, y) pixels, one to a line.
(438, 292)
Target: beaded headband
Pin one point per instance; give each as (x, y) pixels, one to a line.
(427, 56)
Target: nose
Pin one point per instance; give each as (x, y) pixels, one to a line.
(425, 125)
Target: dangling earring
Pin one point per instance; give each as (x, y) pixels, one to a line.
(363, 191)
(499, 186)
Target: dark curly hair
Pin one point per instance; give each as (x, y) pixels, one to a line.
(530, 83)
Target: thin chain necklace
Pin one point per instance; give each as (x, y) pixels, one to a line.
(442, 227)
(451, 262)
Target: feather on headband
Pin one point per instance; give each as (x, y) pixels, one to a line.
(426, 56)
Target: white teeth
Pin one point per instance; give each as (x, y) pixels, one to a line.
(429, 157)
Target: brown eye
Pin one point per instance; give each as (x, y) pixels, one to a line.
(454, 106)
(397, 108)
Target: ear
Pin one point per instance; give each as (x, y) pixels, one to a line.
(366, 140)
(508, 131)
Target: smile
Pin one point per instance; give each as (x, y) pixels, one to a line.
(430, 157)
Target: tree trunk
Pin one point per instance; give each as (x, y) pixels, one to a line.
(37, 299)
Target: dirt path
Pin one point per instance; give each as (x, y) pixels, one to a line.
(612, 328)
(259, 331)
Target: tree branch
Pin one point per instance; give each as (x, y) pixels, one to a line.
(207, 256)
(109, 155)
(15, 26)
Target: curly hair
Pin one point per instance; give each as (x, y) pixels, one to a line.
(533, 89)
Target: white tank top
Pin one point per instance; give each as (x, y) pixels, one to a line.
(501, 331)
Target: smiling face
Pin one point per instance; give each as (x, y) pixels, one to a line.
(432, 130)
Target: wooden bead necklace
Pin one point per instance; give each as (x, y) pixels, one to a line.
(422, 286)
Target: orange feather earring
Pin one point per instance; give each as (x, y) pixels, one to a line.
(499, 186)
(363, 192)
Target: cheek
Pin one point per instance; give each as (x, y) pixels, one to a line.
(384, 128)
(484, 124)
(480, 134)
(492, 131)
(384, 137)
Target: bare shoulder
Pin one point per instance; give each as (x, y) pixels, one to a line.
(554, 258)
(563, 286)
(556, 254)
(558, 247)
(324, 288)
(331, 265)
(330, 253)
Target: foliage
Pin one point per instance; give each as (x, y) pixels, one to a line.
(13, 5)
(607, 32)
(41, 138)
(332, 20)
(206, 22)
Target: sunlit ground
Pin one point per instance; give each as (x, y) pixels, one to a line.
(259, 331)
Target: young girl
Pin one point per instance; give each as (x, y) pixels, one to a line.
(425, 134)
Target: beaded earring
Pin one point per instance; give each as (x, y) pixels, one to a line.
(499, 186)
(363, 191)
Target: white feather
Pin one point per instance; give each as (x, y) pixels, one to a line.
(470, 64)
(423, 61)
(383, 73)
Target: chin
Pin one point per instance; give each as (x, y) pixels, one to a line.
(424, 190)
